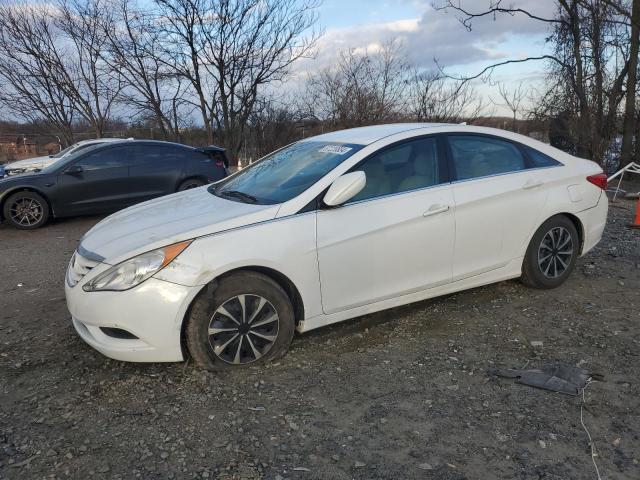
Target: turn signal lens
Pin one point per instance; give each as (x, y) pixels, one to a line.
(172, 251)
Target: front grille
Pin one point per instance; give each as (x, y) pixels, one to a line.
(78, 268)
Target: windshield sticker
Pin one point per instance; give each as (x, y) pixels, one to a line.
(336, 149)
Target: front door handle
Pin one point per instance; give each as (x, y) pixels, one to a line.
(532, 184)
(435, 209)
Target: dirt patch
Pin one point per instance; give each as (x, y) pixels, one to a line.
(398, 394)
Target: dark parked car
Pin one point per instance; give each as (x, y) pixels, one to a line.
(105, 178)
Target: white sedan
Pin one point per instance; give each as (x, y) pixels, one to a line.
(326, 229)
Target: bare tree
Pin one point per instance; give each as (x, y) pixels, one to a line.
(512, 99)
(631, 120)
(636, 142)
(49, 62)
(151, 88)
(588, 59)
(272, 124)
(363, 88)
(92, 85)
(30, 77)
(630, 123)
(434, 98)
(229, 50)
(590, 42)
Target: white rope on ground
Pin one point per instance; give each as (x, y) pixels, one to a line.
(594, 454)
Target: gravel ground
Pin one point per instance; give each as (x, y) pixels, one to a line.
(394, 395)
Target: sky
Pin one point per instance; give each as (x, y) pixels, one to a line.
(426, 33)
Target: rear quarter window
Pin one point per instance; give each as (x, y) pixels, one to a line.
(539, 159)
(216, 158)
(159, 154)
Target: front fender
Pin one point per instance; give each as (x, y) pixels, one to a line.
(286, 245)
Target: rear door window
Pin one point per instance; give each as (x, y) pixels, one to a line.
(158, 155)
(476, 156)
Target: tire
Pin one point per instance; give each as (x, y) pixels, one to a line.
(26, 210)
(552, 254)
(190, 183)
(235, 346)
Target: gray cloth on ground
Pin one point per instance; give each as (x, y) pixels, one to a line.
(557, 378)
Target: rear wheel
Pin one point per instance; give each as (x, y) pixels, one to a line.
(26, 210)
(190, 183)
(552, 253)
(247, 319)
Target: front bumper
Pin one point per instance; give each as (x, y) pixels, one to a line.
(152, 312)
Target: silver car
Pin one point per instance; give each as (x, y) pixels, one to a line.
(38, 163)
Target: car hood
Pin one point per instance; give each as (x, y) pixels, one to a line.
(22, 180)
(170, 219)
(37, 162)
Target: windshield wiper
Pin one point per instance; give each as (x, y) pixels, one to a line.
(240, 195)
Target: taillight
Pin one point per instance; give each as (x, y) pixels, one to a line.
(219, 163)
(599, 180)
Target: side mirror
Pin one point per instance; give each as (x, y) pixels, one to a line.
(345, 188)
(74, 170)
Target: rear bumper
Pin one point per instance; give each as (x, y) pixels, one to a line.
(593, 222)
(152, 312)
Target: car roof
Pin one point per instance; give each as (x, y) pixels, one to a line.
(367, 135)
(207, 149)
(132, 141)
(103, 140)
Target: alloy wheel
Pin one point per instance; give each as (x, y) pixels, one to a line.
(555, 252)
(243, 329)
(26, 211)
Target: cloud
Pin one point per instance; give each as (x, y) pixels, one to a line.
(439, 34)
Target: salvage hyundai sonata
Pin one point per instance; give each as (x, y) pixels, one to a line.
(326, 229)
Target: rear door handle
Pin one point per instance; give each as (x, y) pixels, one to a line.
(435, 209)
(532, 184)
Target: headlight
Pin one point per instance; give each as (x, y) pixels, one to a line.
(136, 270)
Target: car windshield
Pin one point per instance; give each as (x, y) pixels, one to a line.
(63, 152)
(286, 173)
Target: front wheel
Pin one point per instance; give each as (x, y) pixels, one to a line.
(552, 254)
(26, 210)
(247, 319)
